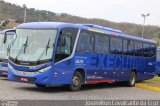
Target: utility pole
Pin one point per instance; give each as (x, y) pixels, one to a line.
(144, 20)
(25, 13)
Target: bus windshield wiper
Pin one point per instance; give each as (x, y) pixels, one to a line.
(45, 49)
(24, 45)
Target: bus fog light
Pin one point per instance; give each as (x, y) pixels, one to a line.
(44, 69)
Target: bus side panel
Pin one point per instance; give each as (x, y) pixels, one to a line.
(114, 67)
(64, 71)
(146, 68)
(128, 63)
(100, 67)
(93, 64)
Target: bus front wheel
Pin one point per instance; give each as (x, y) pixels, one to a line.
(159, 75)
(76, 82)
(132, 79)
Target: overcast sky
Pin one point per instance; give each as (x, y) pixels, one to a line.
(113, 10)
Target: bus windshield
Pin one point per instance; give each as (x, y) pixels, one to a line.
(33, 45)
(3, 46)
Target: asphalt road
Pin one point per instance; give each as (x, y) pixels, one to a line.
(21, 91)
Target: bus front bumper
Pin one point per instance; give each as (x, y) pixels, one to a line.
(45, 78)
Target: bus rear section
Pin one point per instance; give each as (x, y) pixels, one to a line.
(6, 38)
(77, 54)
(158, 62)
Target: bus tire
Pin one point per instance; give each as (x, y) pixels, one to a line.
(132, 79)
(40, 86)
(76, 82)
(159, 75)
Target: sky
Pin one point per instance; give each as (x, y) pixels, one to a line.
(112, 10)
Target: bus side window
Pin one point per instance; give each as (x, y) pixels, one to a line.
(146, 51)
(65, 43)
(153, 50)
(86, 42)
(116, 45)
(131, 45)
(138, 49)
(128, 47)
(101, 43)
(125, 47)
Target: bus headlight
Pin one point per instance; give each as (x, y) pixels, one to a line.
(9, 66)
(44, 69)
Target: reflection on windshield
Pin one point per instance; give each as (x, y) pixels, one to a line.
(32, 49)
(3, 46)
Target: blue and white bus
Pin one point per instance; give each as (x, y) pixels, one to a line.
(51, 53)
(6, 37)
(158, 62)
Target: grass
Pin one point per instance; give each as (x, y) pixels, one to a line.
(155, 82)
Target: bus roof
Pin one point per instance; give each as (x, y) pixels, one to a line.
(138, 38)
(46, 25)
(8, 33)
(91, 27)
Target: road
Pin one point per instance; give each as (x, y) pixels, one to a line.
(22, 91)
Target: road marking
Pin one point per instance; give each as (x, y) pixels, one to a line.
(147, 87)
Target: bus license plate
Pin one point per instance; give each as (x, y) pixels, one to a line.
(4, 73)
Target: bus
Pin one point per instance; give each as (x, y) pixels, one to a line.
(158, 62)
(6, 37)
(57, 53)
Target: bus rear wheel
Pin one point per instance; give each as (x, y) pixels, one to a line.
(76, 82)
(159, 75)
(132, 79)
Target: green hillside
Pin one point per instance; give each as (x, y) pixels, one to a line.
(8, 10)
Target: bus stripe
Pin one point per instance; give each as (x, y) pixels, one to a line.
(99, 81)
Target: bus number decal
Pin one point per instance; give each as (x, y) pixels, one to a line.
(79, 61)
